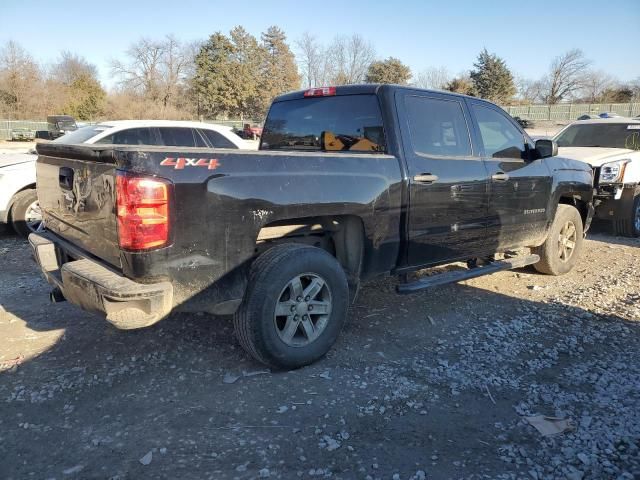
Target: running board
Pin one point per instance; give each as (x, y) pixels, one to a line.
(459, 275)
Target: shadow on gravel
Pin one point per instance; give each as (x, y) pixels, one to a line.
(433, 382)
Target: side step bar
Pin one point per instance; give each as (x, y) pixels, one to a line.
(459, 275)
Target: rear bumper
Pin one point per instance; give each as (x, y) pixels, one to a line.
(95, 288)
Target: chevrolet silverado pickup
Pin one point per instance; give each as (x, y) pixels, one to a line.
(349, 183)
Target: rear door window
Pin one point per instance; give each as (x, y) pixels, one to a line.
(500, 137)
(177, 136)
(217, 140)
(437, 127)
(347, 123)
(131, 136)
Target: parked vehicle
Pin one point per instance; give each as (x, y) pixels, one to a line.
(18, 199)
(609, 115)
(612, 147)
(588, 116)
(58, 125)
(158, 132)
(250, 132)
(524, 122)
(350, 183)
(22, 135)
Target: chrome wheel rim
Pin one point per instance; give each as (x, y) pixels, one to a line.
(33, 216)
(567, 241)
(302, 310)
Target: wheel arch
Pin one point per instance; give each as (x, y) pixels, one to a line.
(342, 236)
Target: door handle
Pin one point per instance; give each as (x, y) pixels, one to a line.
(500, 177)
(425, 178)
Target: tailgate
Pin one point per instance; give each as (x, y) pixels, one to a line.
(76, 190)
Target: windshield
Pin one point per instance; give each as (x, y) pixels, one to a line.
(612, 135)
(344, 123)
(81, 135)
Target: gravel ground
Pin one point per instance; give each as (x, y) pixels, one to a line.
(435, 385)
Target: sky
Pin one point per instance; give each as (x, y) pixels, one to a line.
(422, 34)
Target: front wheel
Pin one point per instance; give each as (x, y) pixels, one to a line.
(294, 307)
(560, 251)
(628, 222)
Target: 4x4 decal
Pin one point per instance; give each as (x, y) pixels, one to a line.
(180, 163)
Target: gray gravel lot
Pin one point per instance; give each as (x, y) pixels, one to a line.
(435, 385)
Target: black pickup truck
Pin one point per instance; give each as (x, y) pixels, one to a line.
(349, 183)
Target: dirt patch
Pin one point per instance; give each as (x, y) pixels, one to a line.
(435, 385)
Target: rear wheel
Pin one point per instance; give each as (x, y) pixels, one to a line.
(26, 215)
(294, 307)
(560, 251)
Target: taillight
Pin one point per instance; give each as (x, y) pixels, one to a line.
(142, 211)
(320, 92)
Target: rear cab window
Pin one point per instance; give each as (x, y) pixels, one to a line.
(343, 123)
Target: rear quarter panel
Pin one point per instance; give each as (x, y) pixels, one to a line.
(224, 197)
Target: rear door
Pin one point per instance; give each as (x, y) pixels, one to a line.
(448, 202)
(519, 187)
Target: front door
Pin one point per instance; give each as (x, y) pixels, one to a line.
(448, 202)
(519, 187)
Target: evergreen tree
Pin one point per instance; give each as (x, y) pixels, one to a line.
(215, 77)
(390, 70)
(492, 79)
(280, 73)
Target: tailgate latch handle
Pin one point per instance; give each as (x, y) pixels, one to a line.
(65, 178)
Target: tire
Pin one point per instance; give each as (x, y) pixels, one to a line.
(628, 223)
(23, 205)
(556, 255)
(292, 336)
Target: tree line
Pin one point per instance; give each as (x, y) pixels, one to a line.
(236, 75)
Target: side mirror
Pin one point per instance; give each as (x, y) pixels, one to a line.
(546, 148)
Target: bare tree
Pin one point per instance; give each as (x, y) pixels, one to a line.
(566, 76)
(434, 78)
(70, 67)
(529, 91)
(155, 69)
(310, 59)
(350, 57)
(141, 74)
(596, 83)
(21, 83)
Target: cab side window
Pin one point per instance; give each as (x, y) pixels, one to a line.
(131, 136)
(437, 127)
(500, 137)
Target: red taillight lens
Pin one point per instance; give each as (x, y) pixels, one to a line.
(320, 92)
(143, 211)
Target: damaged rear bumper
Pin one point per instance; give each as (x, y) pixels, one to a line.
(96, 288)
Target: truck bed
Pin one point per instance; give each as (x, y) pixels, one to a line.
(222, 199)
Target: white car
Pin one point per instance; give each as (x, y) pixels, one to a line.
(612, 148)
(18, 199)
